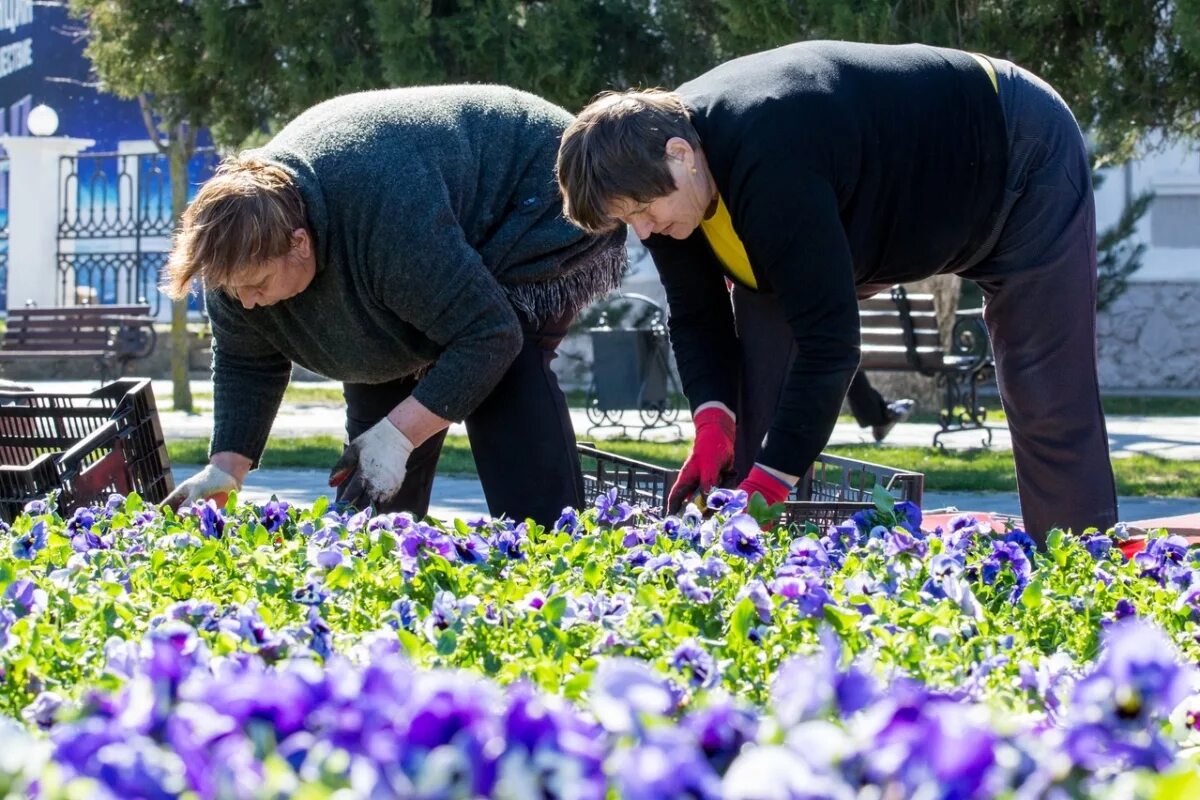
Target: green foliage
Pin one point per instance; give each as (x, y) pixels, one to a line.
(565, 50)
(241, 67)
(1107, 58)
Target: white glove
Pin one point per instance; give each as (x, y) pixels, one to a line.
(380, 457)
(212, 481)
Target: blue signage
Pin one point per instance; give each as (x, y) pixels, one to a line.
(42, 62)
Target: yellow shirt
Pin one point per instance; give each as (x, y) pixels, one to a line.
(724, 241)
(988, 68)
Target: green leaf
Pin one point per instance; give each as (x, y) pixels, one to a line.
(447, 642)
(1183, 782)
(743, 619)
(204, 554)
(340, 577)
(553, 609)
(574, 688)
(763, 514)
(842, 619)
(1031, 598)
(921, 616)
(409, 641)
(593, 573)
(1054, 540)
(319, 507)
(884, 502)
(461, 526)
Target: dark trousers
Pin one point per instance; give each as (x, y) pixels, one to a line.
(761, 326)
(866, 403)
(1039, 284)
(521, 436)
(1038, 275)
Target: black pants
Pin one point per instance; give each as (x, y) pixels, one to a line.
(521, 436)
(1038, 275)
(866, 403)
(1039, 285)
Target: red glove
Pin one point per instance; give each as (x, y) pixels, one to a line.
(762, 482)
(712, 452)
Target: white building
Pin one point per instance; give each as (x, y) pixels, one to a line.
(1150, 338)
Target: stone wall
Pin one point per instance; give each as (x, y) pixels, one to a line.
(1150, 338)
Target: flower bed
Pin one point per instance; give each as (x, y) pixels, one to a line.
(276, 652)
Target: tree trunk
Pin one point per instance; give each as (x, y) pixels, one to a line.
(895, 385)
(179, 153)
(945, 290)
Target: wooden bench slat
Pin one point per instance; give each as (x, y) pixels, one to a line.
(879, 337)
(10, 355)
(920, 323)
(87, 335)
(896, 358)
(884, 302)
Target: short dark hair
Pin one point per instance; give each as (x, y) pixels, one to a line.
(616, 148)
(242, 217)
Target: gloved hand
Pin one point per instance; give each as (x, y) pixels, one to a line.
(378, 460)
(772, 489)
(712, 453)
(212, 482)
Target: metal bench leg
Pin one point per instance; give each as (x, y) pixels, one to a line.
(960, 390)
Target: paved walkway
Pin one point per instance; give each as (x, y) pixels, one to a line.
(1167, 437)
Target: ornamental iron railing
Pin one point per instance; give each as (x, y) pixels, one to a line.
(115, 225)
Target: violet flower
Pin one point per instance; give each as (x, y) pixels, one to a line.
(741, 536)
(611, 512)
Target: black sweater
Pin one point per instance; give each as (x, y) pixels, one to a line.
(842, 165)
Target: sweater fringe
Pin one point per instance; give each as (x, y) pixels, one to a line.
(591, 275)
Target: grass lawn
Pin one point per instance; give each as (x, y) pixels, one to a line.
(297, 394)
(945, 471)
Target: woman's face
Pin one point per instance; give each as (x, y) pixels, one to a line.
(679, 213)
(279, 278)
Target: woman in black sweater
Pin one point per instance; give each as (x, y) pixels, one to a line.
(821, 172)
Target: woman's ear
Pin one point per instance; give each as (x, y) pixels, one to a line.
(678, 149)
(302, 242)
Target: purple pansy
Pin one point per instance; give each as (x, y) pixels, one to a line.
(27, 545)
(727, 501)
(696, 663)
(609, 510)
(741, 536)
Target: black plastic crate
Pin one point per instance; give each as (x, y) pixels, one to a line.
(635, 481)
(834, 488)
(85, 446)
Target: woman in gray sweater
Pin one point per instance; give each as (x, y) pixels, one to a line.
(409, 243)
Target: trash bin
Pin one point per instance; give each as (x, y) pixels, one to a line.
(631, 366)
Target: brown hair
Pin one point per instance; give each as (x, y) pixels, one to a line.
(616, 148)
(241, 217)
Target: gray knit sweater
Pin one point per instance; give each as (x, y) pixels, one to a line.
(436, 217)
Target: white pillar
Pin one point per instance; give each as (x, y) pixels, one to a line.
(33, 215)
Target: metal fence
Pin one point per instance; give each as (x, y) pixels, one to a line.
(115, 225)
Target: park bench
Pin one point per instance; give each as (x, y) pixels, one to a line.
(109, 335)
(900, 334)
